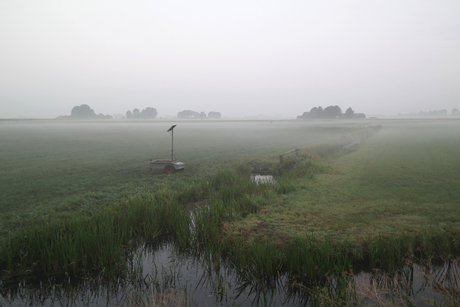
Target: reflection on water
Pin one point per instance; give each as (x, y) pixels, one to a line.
(162, 272)
(263, 179)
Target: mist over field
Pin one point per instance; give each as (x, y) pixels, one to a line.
(74, 155)
(240, 58)
(53, 160)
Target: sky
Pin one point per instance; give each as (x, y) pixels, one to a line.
(240, 58)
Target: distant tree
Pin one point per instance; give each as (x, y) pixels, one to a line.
(202, 115)
(186, 114)
(102, 116)
(83, 111)
(136, 114)
(129, 114)
(316, 112)
(442, 112)
(149, 113)
(304, 116)
(349, 113)
(433, 113)
(214, 115)
(332, 112)
(454, 112)
(60, 117)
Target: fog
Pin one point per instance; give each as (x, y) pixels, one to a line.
(240, 58)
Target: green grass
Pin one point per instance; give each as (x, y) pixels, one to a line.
(101, 242)
(402, 180)
(105, 240)
(52, 170)
(379, 202)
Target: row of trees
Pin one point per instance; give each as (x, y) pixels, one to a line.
(328, 112)
(189, 114)
(433, 113)
(147, 113)
(85, 112)
(151, 113)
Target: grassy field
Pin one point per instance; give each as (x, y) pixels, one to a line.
(83, 185)
(404, 179)
(55, 169)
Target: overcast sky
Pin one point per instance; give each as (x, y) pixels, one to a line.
(241, 58)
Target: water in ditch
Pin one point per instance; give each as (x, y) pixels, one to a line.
(161, 273)
(263, 179)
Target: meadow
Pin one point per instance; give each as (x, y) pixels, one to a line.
(54, 169)
(402, 180)
(79, 195)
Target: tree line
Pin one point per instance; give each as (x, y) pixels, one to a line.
(330, 112)
(147, 113)
(189, 114)
(84, 111)
(433, 113)
(151, 113)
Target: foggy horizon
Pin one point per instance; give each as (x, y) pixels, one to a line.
(242, 59)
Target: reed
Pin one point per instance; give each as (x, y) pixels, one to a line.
(310, 257)
(391, 288)
(99, 242)
(102, 240)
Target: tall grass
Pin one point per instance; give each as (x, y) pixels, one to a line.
(303, 256)
(393, 288)
(102, 240)
(98, 242)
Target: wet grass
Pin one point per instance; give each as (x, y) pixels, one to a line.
(53, 170)
(321, 218)
(100, 242)
(403, 180)
(104, 240)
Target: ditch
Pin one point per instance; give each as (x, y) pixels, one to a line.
(165, 274)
